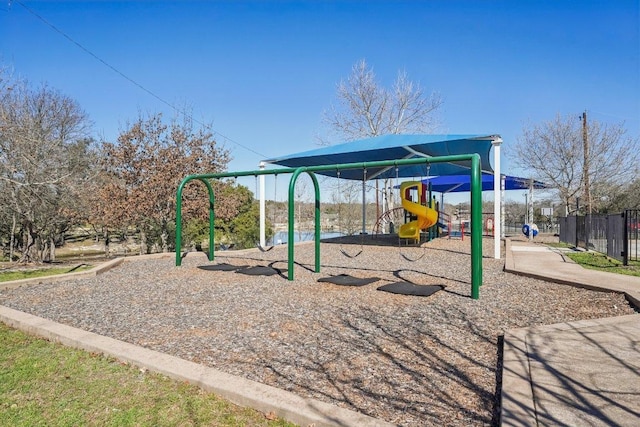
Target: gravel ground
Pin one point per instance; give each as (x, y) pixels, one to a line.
(408, 360)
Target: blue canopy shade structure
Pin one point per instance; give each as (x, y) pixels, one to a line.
(462, 183)
(397, 147)
(392, 147)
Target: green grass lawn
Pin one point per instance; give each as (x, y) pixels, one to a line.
(47, 384)
(598, 261)
(559, 245)
(6, 276)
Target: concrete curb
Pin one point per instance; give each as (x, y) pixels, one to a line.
(106, 266)
(633, 297)
(235, 389)
(509, 265)
(517, 406)
(99, 269)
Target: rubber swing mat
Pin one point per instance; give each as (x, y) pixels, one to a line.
(221, 267)
(346, 280)
(406, 288)
(260, 270)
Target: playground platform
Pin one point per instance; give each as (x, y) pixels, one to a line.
(576, 373)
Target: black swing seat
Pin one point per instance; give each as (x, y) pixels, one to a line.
(264, 249)
(347, 280)
(222, 267)
(413, 259)
(408, 288)
(261, 270)
(416, 245)
(348, 255)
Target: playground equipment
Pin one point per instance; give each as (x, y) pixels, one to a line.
(476, 205)
(426, 215)
(530, 230)
(388, 221)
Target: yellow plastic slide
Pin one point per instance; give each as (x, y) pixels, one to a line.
(426, 216)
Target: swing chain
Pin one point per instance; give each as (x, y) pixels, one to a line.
(342, 250)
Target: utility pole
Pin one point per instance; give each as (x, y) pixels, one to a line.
(585, 164)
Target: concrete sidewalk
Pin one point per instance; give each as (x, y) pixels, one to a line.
(550, 264)
(577, 373)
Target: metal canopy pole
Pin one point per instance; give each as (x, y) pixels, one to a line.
(503, 186)
(530, 207)
(364, 207)
(497, 198)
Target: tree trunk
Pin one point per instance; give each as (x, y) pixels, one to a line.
(44, 251)
(143, 242)
(106, 242)
(31, 246)
(164, 237)
(12, 241)
(52, 248)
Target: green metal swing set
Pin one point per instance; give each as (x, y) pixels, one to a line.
(476, 205)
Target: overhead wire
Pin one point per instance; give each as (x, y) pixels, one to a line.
(134, 82)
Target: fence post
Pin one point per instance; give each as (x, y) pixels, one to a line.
(587, 230)
(625, 238)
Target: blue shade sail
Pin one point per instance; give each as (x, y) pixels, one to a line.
(462, 183)
(395, 147)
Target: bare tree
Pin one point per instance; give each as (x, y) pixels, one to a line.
(348, 211)
(364, 109)
(554, 152)
(45, 159)
(301, 211)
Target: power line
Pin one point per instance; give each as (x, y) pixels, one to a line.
(132, 81)
(617, 116)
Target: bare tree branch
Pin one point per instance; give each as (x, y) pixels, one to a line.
(553, 152)
(44, 158)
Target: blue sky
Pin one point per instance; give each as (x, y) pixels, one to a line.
(263, 72)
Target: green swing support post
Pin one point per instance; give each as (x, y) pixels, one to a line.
(476, 227)
(205, 178)
(476, 205)
(184, 182)
(291, 221)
